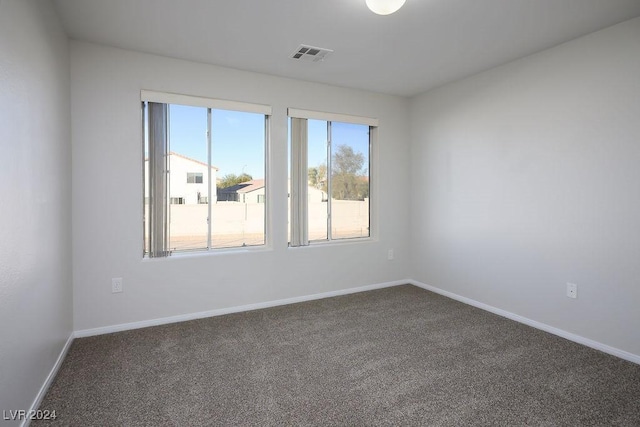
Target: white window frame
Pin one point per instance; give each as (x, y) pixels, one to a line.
(158, 223)
(299, 158)
(198, 101)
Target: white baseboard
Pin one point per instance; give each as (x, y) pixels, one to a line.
(533, 323)
(47, 383)
(219, 312)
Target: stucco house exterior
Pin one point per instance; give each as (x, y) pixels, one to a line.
(188, 180)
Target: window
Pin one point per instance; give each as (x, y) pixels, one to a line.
(330, 176)
(194, 178)
(220, 146)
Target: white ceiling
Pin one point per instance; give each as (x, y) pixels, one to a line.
(425, 44)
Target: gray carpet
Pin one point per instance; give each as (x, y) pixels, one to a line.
(396, 356)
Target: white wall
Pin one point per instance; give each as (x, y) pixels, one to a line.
(527, 176)
(35, 184)
(107, 235)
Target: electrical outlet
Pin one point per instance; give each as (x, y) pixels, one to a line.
(390, 254)
(572, 290)
(116, 285)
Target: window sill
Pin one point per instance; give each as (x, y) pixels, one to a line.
(338, 242)
(212, 252)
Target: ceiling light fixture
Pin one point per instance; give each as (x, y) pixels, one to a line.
(384, 7)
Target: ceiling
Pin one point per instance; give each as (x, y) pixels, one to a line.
(425, 44)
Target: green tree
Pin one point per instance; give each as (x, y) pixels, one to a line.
(318, 177)
(231, 179)
(348, 180)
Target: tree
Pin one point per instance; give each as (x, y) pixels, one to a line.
(318, 177)
(346, 161)
(348, 180)
(231, 179)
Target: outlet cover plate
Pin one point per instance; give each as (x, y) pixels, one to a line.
(572, 290)
(116, 285)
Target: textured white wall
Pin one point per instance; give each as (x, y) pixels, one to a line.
(527, 176)
(107, 235)
(35, 186)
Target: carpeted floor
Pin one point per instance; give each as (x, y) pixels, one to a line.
(396, 356)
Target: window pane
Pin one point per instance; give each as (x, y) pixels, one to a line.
(194, 178)
(188, 228)
(317, 172)
(349, 180)
(238, 151)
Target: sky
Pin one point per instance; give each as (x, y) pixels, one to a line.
(238, 139)
(356, 136)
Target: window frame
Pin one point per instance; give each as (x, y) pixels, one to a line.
(211, 104)
(298, 206)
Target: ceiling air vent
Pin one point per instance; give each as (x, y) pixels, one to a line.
(310, 53)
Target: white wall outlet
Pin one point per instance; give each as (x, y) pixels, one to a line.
(572, 290)
(116, 285)
(390, 254)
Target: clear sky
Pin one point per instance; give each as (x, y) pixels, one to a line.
(238, 139)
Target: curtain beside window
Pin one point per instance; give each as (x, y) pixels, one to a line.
(299, 178)
(158, 119)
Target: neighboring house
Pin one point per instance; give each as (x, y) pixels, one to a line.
(253, 192)
(313, 194)
(188, 180)
(245, 192)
